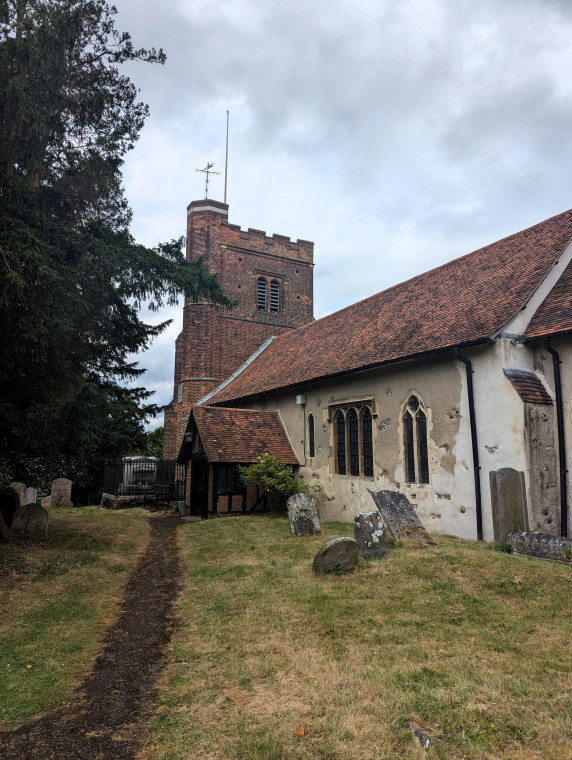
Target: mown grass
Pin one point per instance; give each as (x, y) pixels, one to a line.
(56, 597)
(471, 644)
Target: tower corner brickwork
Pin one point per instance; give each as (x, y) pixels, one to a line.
(271, 278)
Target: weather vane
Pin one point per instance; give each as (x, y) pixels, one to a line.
(207, 171)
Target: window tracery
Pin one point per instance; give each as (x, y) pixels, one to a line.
(353, 439)
(415, 449)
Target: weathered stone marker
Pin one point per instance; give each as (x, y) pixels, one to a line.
(400, 519)
(31, 495)
(61, 493)
(541, 545)
(8, 505)
(30, 520)
(508, 497)
(303, 515)
(339, 556)
(369, 532)
(20, 489)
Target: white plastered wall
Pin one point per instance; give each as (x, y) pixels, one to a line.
(447, 504)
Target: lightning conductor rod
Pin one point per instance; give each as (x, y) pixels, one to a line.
(226, 158)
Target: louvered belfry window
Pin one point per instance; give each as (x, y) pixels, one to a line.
(274, 296)
(353, 438)
(261, 294)
(415, 447)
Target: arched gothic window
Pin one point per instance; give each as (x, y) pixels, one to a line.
(353, 438)
(311, 437)
(274, 295)
(416, 459)
(261, 294)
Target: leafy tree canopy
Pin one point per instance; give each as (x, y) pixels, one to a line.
(72, 278)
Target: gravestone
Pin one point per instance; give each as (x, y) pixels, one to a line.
(31, 495)
(61, 493)
(20, 489)
(339, 556)
(8, 506)
(396, 511)
(369, 532)
(508, 498)
(107, 501)
(46, 502)
(541, 545)
(303, 515)
(30, 520)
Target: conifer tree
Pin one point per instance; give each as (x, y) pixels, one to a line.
(72, 278)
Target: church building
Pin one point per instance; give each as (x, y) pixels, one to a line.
(454, 388)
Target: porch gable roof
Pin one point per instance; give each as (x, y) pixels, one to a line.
(241, 435)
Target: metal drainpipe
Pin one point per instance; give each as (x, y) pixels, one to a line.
(561, 441)
(476, 466)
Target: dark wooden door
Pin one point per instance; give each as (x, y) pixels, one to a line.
(200, 488)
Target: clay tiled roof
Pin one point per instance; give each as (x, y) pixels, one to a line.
(554, 315)
(528, 386)
(462, 302)
(240, 435)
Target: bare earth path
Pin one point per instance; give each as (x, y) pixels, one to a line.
(107, 717)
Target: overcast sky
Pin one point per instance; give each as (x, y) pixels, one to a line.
(396, 135)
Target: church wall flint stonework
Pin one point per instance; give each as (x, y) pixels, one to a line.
(270, 278)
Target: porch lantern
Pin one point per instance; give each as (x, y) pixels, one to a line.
(189, 435)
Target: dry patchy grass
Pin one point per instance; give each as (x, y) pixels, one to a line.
(56, 597)
(470, 644)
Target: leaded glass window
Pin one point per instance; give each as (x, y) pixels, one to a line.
(366, 442)
(340, 434)
(228, 479)
(353, 438)
(415, 446)
(353, 433)
(408, 447)
(311, 441)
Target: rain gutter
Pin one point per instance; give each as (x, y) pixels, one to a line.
(472, 418)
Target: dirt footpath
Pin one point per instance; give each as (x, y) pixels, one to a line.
(107, 717)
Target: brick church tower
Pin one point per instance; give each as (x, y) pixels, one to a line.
(270, 277)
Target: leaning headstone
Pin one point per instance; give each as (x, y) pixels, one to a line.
(20, 489)
(46, 502)
(30, 520)
(303, 515)
(369, 532)
(31, 495)
(339, 556)
(61, 491)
